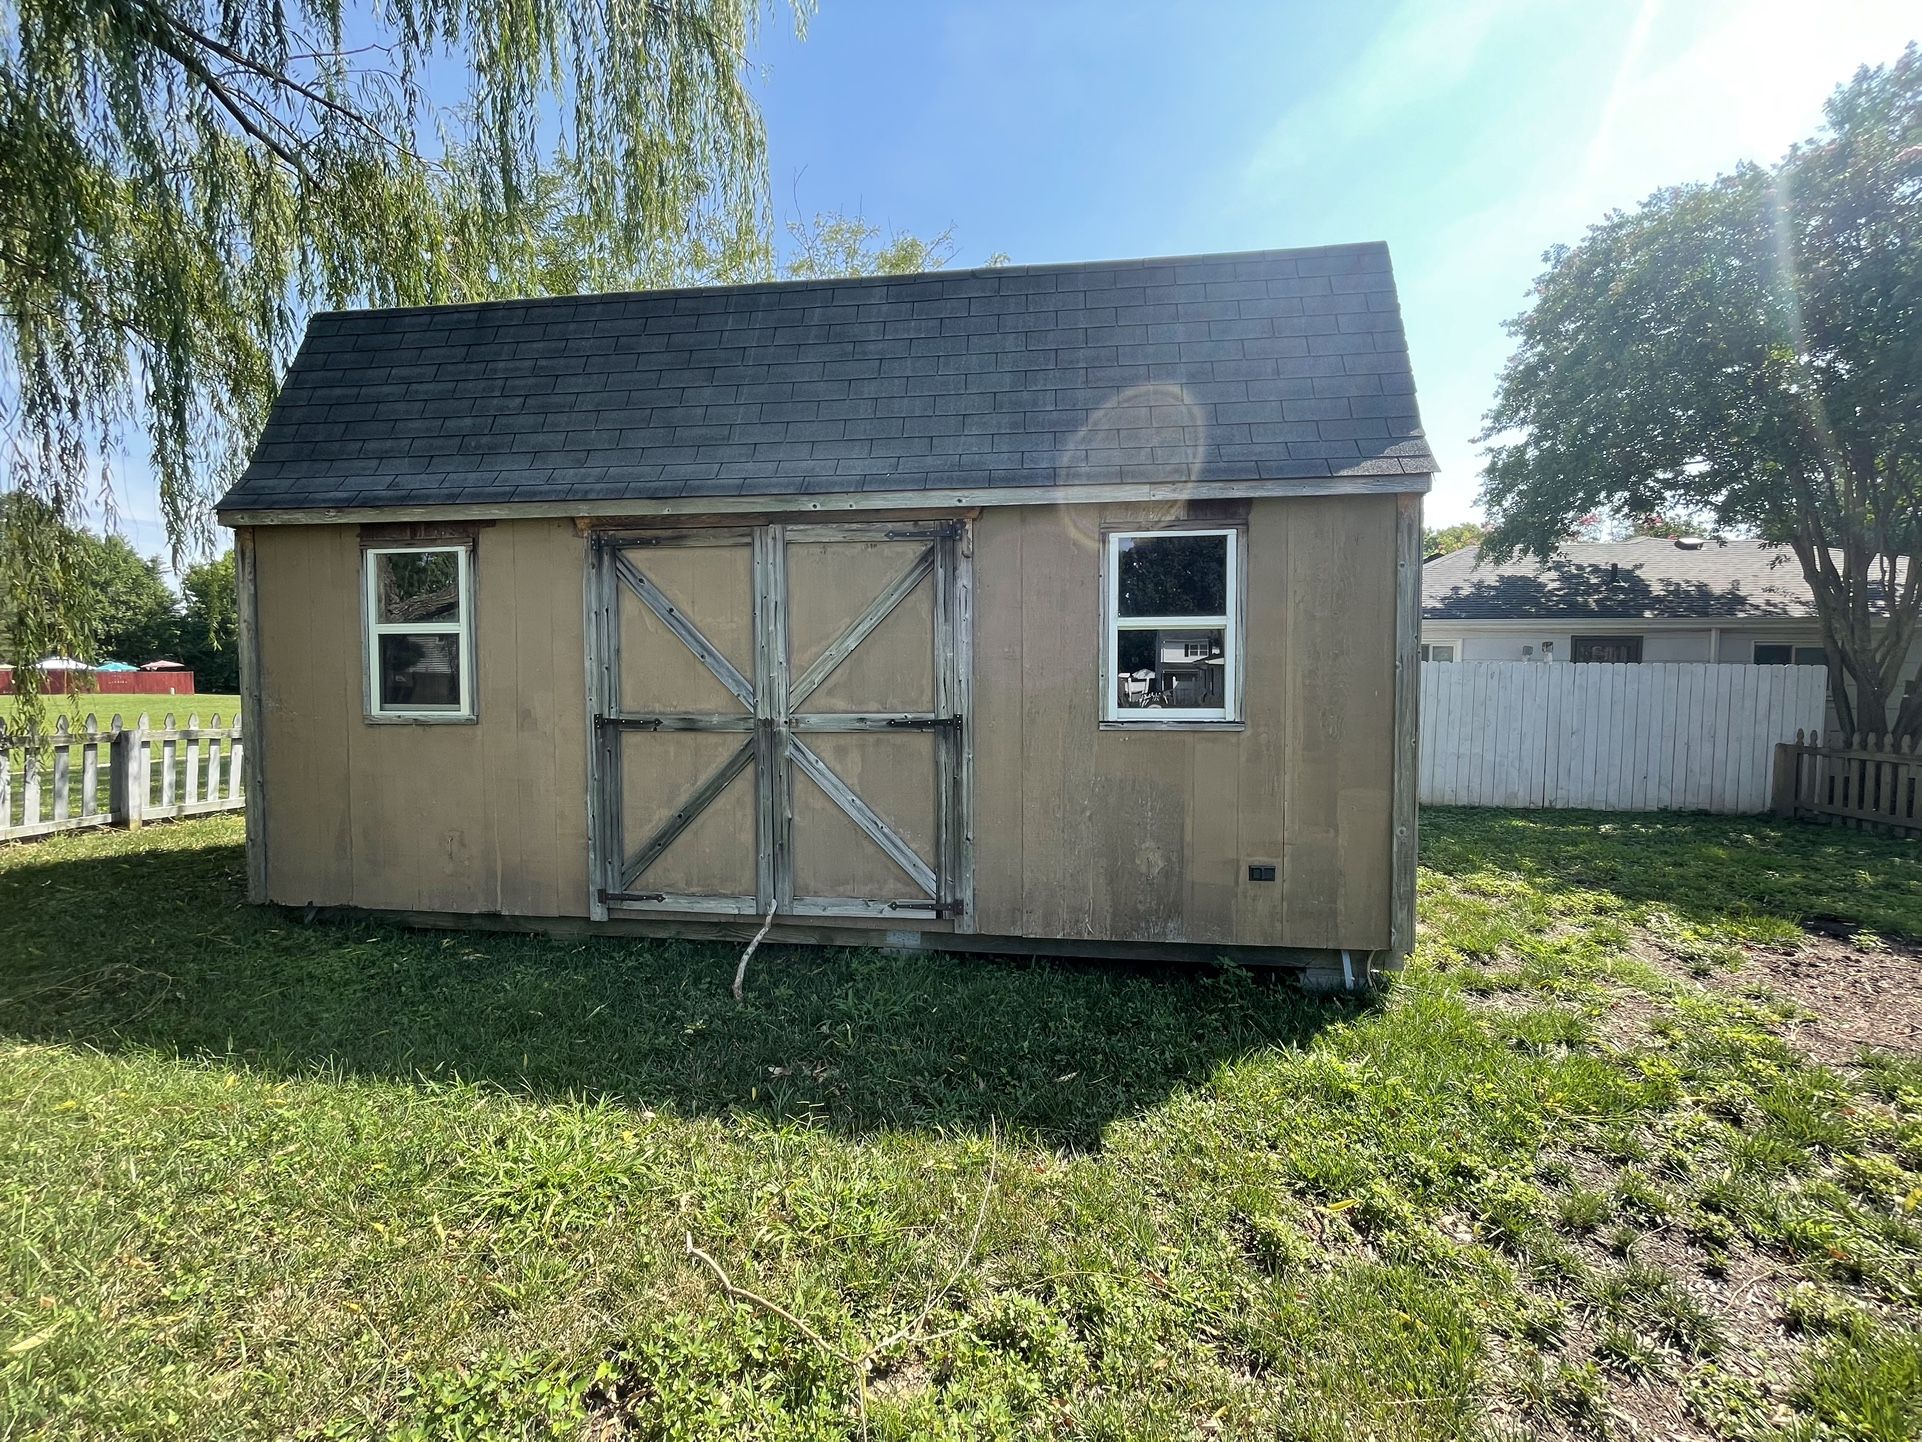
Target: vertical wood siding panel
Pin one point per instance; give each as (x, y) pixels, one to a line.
(1366, 755)
(310, 624)
(1263, 757)
(1310, 875)
(1000, 773)
(1060, 643)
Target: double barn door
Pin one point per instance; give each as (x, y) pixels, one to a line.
(780, 721)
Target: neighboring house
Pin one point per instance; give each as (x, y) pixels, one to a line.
(1188, 669)
(1729, 601)
(1047, 609)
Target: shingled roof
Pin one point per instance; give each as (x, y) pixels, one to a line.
(1271, 366)
(1626, 580)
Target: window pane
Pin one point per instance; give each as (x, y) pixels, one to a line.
(1607, 648)
(1773, 655)
(1174, 575)
(420, 673)
(417, 586)
(1162, 669)
(1811, 656)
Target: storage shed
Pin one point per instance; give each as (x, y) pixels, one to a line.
(1052, 609)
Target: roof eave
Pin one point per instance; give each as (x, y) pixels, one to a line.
(1585, 618)
(957, 497)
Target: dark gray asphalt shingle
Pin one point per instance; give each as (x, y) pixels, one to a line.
(1270, 365)
(1641, 579)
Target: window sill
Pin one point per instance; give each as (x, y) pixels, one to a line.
(421, 720)
(1174, 724)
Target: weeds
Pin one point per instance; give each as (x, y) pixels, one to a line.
(262, 1178)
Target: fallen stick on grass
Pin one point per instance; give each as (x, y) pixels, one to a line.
(740, 972)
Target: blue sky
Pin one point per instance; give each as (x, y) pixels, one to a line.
(1468, 135)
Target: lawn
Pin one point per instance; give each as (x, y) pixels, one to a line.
(1574, 1175)
(76, 708)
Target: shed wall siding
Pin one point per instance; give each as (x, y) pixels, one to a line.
(1098, 834)
(484, 817)
(1079, 833)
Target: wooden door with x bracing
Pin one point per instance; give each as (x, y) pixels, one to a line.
(780, 721)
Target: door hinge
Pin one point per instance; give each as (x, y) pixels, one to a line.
(939, 908)
(923, 723)
(608, 898)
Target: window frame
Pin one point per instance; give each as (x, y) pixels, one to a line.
(1631, 640)
(1229, 623)
(372, 629)
(1795, 652)
(1431, 646)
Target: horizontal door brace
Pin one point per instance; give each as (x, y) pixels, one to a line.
(673, 721)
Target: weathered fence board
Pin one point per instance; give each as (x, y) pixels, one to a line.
(1657, 737)
(152, 773)
(1870, 782)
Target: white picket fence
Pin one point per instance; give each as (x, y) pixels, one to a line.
(1686, 736)
(82, 776)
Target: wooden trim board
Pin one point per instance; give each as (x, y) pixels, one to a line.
(252, 733)
(1318, 968)
(1404, 811)
(960, 496)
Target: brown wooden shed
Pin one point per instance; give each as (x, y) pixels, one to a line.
(1054, 609)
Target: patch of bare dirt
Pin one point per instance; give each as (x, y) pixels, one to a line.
(1860, 992)
(1628, 1019)
(898, 1383)
(1861, 995)
(1652, 1409)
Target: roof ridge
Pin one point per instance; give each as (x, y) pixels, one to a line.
(1358, 247)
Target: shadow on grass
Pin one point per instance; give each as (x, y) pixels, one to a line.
(1721, 870)
(145, 942)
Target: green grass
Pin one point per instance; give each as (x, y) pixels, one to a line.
(78, 707)
(266, 1178)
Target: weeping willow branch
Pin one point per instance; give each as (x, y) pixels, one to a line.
(183, 181)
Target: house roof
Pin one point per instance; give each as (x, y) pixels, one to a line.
(1270, 366)
(1648, 579)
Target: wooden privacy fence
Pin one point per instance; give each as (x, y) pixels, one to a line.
(79, 777)
(1668, 736)
(1870, 782)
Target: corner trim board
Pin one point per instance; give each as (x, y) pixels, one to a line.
(1404, 813)
(252, 733)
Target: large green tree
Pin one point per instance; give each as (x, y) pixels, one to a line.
(1440, 540)
(182, 181)
(210, 624)
(1749, 350)
(135, 616)
(124, 607)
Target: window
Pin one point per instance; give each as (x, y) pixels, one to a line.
(1617, 649)
(1438, 651)
(1172, 643)
(420, 633)
(1771, 654)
